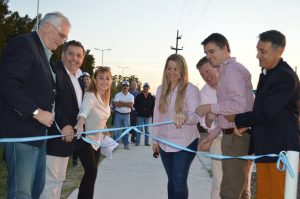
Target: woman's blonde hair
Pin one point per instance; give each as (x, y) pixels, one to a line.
(182, 69)
(92, 87)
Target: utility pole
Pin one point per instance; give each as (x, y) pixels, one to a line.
(177, 38)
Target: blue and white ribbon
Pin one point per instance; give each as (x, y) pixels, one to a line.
(282, 157)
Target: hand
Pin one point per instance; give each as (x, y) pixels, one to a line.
(105, 134)
(240, 131)
(203, 109)
(155, 148)
(209, 118)
(180, 119)
(68, 131)
(44, 117)
(205, 144)
(230, 118)
(79, 129)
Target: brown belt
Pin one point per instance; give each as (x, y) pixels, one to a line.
(228, 131)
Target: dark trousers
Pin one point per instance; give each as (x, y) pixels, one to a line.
(89, 158)
(177, 166)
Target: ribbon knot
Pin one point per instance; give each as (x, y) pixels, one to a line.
(282, 158)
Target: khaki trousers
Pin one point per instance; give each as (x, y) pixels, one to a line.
(216, 166)
(56, 169)
(236, 172)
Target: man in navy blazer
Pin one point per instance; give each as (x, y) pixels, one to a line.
(274, 118)
(70, 90)
(27, 92)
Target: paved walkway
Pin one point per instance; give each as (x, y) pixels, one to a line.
(135, 174)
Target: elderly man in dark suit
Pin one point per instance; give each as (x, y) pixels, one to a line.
(274, 118)
(27, 92)
(70, 90)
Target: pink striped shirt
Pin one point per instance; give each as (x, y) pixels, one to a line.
(188, 132)
(234, 92)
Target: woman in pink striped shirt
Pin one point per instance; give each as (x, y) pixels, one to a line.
(175, 97)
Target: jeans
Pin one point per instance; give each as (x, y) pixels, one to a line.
(121, 121)
(177, 166)
(141, 121)
(26, 166)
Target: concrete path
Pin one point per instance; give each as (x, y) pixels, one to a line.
(135, 174)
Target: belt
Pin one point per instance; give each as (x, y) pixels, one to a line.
(228, 131)
(122, 113)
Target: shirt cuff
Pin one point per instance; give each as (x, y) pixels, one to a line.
(215, 109)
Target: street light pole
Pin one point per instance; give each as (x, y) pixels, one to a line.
(123, 68)
(37, 14)
(102, 50)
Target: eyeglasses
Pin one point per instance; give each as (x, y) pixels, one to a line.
(60, 34)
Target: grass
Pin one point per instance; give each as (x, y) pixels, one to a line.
(3, 175)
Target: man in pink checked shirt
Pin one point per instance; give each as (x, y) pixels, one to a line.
(234, 95)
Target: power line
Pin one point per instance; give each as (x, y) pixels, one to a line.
(197, 22)
(179, 19)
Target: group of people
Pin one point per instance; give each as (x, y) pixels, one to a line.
(43, 98)
(40, 98)
(238, 122)
(132, 108)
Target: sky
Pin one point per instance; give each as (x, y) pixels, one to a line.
(141, 32)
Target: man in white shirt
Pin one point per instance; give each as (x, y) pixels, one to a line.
(212, 141)
(123, 102)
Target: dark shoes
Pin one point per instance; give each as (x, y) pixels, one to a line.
(126, 146)
(147, 144)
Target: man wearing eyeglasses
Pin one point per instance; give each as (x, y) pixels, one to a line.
(27, 93)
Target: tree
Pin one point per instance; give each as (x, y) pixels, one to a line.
(88, 63)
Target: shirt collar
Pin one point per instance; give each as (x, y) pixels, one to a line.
(47, 51)
(77, 74)
(226, 62)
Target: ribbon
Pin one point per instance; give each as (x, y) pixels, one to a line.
(282, 158)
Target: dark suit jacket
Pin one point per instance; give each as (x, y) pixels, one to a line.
(274, 119)
(144, 106)
(66, 111)
(26, 83)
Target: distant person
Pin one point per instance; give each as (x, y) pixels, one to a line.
(94, 113)
(70, 89)
(176, 97)
(123, 102)
(86, 79)
(212, 142)
(144, 106)
(133, 114)
(27, 93)
(274, 119)
(234, 95)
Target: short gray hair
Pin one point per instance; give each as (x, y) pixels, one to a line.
(56, 18)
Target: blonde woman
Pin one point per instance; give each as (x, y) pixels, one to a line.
(94, 113)
(176, 97)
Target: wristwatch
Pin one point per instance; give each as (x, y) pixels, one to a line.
(35, 112)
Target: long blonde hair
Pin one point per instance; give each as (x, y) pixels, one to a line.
(92, 87)
(181, 66)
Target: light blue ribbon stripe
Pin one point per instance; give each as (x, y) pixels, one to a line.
(29, 139)
(281, 157)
